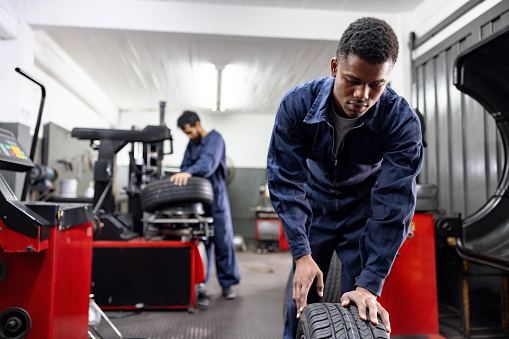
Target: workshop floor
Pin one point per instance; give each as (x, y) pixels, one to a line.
(257, 312)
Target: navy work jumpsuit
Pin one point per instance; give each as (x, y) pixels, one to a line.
(207, 159)
(361, 202)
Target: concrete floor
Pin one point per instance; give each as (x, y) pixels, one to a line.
(257, 312)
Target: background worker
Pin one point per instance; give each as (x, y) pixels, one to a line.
(205, 157)
(344, 154)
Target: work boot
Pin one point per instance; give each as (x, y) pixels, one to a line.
(202, 292)
(228, 293)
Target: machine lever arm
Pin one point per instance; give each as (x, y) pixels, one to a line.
(36, 132)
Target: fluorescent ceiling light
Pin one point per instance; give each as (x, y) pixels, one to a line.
(219, 89)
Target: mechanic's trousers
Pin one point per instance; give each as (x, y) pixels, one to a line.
(336, 225)
(221, 245)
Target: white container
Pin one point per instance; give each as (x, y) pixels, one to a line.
(89, 192)
(69, 188)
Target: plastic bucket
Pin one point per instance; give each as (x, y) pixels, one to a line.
(69, 188)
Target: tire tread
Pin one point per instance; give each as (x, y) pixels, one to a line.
(333, 321)
(163, 193)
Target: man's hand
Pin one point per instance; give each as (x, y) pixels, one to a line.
(306, 270)
(364, 299)
(180, 179)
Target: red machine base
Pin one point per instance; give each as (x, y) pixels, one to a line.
(140, 274)
(50, 288)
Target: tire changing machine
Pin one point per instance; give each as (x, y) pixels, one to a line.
(135, 264)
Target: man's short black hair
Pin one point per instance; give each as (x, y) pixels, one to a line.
(188, 117)
(371, 39)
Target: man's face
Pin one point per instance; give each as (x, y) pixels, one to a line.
(192, 133)
(358, 84)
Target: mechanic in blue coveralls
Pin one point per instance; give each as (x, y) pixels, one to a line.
(205, 157)
(342, 162)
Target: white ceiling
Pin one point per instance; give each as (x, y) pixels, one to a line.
(373, 6)
(138, 67)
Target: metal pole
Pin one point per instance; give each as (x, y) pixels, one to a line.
(162, 105)
(160, 145)
(504, 304)
(465, 299)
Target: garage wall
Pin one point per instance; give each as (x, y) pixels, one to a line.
(464, 155)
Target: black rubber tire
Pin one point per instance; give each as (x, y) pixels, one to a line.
(164, 193)
(332, 287)
(289, 283)
(325, 321)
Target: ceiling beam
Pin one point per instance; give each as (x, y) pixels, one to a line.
(178, 17)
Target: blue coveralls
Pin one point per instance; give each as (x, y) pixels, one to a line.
(207, 159)
(359, 204)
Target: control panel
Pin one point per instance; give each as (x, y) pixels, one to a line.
(12, 156)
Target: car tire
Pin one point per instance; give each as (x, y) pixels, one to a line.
(160, 194)
(332, 287)
(328, 320)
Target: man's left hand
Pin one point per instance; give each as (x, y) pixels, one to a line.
(180, 179)
(365, 300)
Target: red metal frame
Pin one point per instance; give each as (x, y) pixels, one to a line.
(51, 285)
(14, 242)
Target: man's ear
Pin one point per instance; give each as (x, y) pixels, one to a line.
(334, 66)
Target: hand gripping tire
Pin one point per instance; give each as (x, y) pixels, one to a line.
(332, 321)
(159, 194)
(332, 288)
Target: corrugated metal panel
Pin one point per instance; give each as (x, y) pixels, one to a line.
(455, 138)
(464, 154)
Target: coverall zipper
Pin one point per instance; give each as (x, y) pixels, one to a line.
(342, 143)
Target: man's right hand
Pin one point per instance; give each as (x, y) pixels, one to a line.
(306, 270)
(180, 179)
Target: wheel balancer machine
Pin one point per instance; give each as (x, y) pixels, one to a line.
(45, 259)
